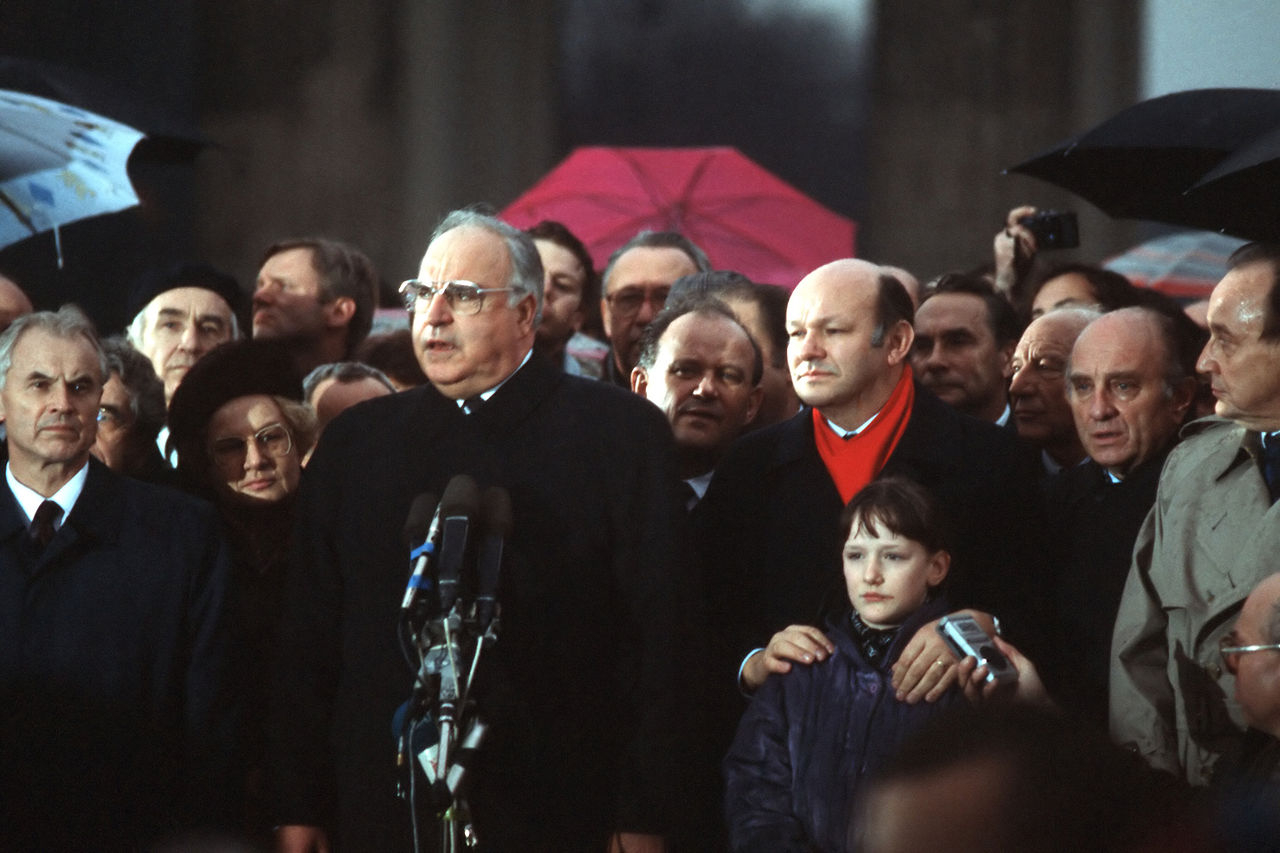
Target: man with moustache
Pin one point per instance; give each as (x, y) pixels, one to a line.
(768, 532)
(582, 691)
(702, 368)
(1130, 380)
(317, 294)
(1212, 534)
(636, 282)
(117, 710)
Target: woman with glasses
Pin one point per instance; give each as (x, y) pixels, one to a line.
(241, 432)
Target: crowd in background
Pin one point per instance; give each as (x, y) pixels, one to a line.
(741, 510)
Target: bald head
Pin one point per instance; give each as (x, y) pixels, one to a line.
(849, 328)
(1258, 672)
(1038, 389)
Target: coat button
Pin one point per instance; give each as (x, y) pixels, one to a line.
(1215, 671)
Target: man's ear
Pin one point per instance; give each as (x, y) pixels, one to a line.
(340, 311)
(526, 313)
(753, 408)
(898, 342)
(1184, 393)
(639, 381)
(1006, 355)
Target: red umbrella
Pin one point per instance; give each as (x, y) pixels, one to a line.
(744, 217)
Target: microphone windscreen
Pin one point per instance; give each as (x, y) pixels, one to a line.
(495, 509)
(419, 520)
(461, 496)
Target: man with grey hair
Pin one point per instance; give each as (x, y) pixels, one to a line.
(331, 389)
(635, 285)
(181, 313)
(130, 416)
(118, 712)
(582, 693)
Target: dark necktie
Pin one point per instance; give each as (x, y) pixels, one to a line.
(42, 525)
(1271, 464)
(473, 404)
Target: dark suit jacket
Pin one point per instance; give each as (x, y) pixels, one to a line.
(583, 691)
(1093, 524)
(767, 531)
(118, 717)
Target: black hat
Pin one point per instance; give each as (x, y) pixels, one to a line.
(235, 369)
(156, 281)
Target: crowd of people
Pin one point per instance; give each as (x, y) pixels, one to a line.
(740, 513)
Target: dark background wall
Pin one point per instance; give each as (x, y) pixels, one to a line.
(368, 121)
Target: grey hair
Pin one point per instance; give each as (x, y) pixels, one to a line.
(526, 263)
(343, 371)
(146, 391)
(67, 322)
(137, 331)
(657, 240)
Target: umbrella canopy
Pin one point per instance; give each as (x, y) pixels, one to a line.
(59, 164)
(1145, 161)
(744, 217)
(1185, 266)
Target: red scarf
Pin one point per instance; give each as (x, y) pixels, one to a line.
(855, 461)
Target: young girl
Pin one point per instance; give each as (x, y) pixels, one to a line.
(810, 737)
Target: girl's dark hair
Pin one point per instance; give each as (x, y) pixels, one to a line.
(903, 507)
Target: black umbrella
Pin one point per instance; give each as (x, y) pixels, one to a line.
(1243, 191)
(1143, 162)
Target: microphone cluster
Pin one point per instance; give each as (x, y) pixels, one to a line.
(449, 615)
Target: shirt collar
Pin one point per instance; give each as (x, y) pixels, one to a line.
(485, 395)
(1005, 415)
(66, 497)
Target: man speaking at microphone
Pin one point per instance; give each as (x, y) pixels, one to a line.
(582, 692)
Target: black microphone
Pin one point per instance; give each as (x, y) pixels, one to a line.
(496, 524)
(460, 502)
(422, 538)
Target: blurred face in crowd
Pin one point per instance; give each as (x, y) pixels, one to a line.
(1125, 411)
(1243, 367)
(955, 355)
(1258, 673)
(888, 576)
(180, 326)
(290, 302)
(252, 450)
(702, 381)
(330, 397)
(831, 326)
(1067, 289)
(780, 401)
(563, 282)
(13, 302)
(466, 354)
(49, 403)
(1038, 389)
(115, 421)
(636, 289)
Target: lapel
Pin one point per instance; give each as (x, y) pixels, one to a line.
(516, 400)
(95, 519)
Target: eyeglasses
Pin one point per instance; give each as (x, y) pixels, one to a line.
(229, 453)
(1230, 650)
(463, 297)
(626, 303)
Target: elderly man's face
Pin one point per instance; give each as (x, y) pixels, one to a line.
(831, 322)
(1258, 673)
(1124, 411)
(956, 356)
(701, 379)
(464, 355)
(1038, 389)
(49, 402)
(179, 327)
(1243, 367)
(636, 290)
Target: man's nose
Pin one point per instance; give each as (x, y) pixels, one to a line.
(438, 313)
(1101, 407)
(707, 385)
(190, 339)
(651, 305)
(1022, 383)
(808, 349)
